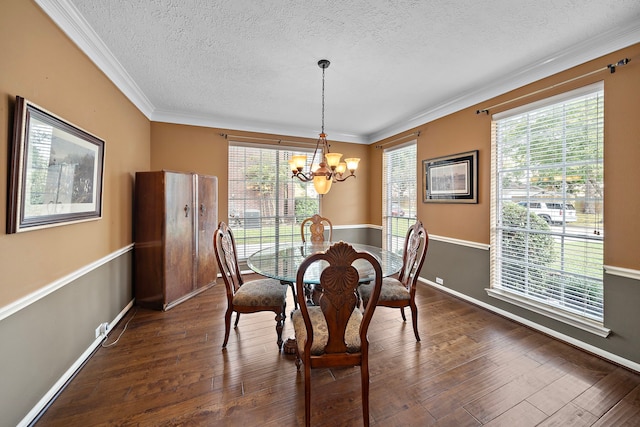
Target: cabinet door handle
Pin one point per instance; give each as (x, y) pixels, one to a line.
(203, 209)
(186, 211)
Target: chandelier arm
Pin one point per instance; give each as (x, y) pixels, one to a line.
(303, 177)
(335, 177)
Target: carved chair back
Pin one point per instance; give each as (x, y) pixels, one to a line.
(226, 256)
(316, 226)
(413, 255)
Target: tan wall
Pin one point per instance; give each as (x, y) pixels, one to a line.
(42, 65)
(465, 131)
(346, 203)
(204, 150)
(192, 149)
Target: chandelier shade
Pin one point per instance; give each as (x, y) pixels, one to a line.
(329, 168)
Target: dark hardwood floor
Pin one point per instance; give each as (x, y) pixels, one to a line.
(472, 368)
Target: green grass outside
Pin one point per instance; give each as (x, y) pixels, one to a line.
(574, 258)
(265, 234)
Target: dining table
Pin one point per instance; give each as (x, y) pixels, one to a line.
(281, 261)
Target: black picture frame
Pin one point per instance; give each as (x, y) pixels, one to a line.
(451, 179)
(56, 171)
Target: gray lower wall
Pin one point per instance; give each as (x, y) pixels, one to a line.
(43, 340)
(363, 236)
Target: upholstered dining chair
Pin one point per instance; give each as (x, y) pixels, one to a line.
(314, 227)
(333, 333)
(246, 297)
(400, 292)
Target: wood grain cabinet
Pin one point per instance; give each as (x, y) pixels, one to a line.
(175, 216)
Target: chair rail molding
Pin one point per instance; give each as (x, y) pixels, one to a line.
(623, 272)
(476, 245)
(23, 302)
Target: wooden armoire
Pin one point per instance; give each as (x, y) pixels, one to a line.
(175, 217)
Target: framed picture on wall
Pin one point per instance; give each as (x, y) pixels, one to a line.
(451, 179)
(56, 171)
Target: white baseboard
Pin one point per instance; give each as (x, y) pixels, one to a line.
(44, 401)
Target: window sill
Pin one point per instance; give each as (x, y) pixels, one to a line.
(575, 321)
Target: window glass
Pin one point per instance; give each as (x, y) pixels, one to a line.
(399, 195)
(547, 203)
(266, 205)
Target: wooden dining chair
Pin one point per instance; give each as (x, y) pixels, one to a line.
(334, 332)
(314, 227)
(246, 297)
(400, 292)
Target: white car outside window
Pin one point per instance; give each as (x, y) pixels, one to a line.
(552, 212)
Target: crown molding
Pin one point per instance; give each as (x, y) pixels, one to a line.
(72, 23)
(615, 39)
(67, 17)
(242, 125)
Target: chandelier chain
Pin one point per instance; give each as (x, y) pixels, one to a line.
(323, 99)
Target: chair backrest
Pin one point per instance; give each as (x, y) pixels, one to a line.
(413, 256)
(225, 249)
(338, 298)
(316, 225)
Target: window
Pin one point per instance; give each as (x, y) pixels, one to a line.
(547, 200)
(399, 195)
(265, 204)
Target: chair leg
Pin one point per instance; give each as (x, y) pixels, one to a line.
(293, 292)
(307, 395)
(414, 318)
(227, 326)
(364, 373)
(298, 359)
(235, 325)
(404, 318)
(280, 325)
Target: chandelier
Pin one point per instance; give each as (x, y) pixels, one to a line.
(324, 173)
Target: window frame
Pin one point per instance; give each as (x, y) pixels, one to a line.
(395, 226)
(498, 200)
(286, 226)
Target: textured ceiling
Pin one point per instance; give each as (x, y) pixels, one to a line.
(252, 65)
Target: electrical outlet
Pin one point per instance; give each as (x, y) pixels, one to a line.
(439, 281)
(102, 330)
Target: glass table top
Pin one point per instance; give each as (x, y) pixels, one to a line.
(282, 261)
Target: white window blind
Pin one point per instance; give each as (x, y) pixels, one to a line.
(547, 201)
(265, 204)
(399, 194)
